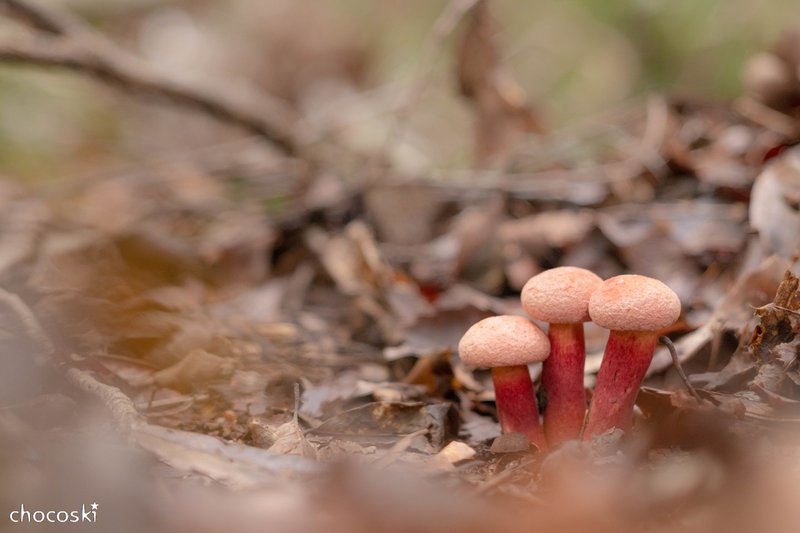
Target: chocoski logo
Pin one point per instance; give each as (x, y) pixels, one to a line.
(26, 516)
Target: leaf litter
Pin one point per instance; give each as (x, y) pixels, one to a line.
(309, 350)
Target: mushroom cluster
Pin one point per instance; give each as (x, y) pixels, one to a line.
(634, 308)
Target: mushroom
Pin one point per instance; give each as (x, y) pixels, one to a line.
(634, 308)
(506, 344)
(560, 296)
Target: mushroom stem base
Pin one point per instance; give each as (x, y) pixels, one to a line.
(625, 362)
(562, 379)
(516, 403)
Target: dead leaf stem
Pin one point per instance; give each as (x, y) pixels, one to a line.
(33, 327)
(677, 363)
(120, 406)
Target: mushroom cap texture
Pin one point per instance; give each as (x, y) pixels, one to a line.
(503, 341)
(634, 303)
(560, 295)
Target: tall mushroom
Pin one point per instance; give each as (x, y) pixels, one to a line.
(507, 344)
(560, 296)
(634, 308)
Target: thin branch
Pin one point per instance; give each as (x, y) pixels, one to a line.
(122, 409)
(43, 17)
(561, 183)
(675, 361)
(767, 117)
(79, 49)
(33, 328)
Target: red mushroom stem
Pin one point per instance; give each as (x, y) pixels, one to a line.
(516, 403)
(625, 362)
(562, 378)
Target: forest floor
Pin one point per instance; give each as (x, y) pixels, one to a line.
(261, 335)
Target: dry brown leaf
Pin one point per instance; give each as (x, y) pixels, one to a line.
(196, 370)
(753, 288)
(404, 214)
(502, 112)
(230, 463)
(773, 207)
(354, 262)
(289, 440)
(342, 386)
(384, 423)
(551, 229)
(236, 246)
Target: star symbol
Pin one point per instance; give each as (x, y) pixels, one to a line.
(94, 506)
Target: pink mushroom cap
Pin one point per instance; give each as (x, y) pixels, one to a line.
(560, 295)
(634, 303)
(503, 341)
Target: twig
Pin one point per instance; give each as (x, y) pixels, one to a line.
(76, 47)
(129, 360)
(44, 18)
(767, 117)
(530, 185)
(671, 347)
(169, 402)
(33, 328)
(716, 344)
(123, 411)
(297, 402)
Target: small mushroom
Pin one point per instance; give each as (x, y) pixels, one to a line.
(634, 308)
(560, 296)
(507, 344)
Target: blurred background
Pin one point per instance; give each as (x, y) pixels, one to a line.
(347, 65)
(214, 331)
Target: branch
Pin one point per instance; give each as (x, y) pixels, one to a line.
(79, 49)
(33, 328)
(44, 18)
(123, 412)
(677, 362)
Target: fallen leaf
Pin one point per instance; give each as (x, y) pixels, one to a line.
(773, 207)
(383, 423)
(502, 112)
(288, 439)
(197, 369)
